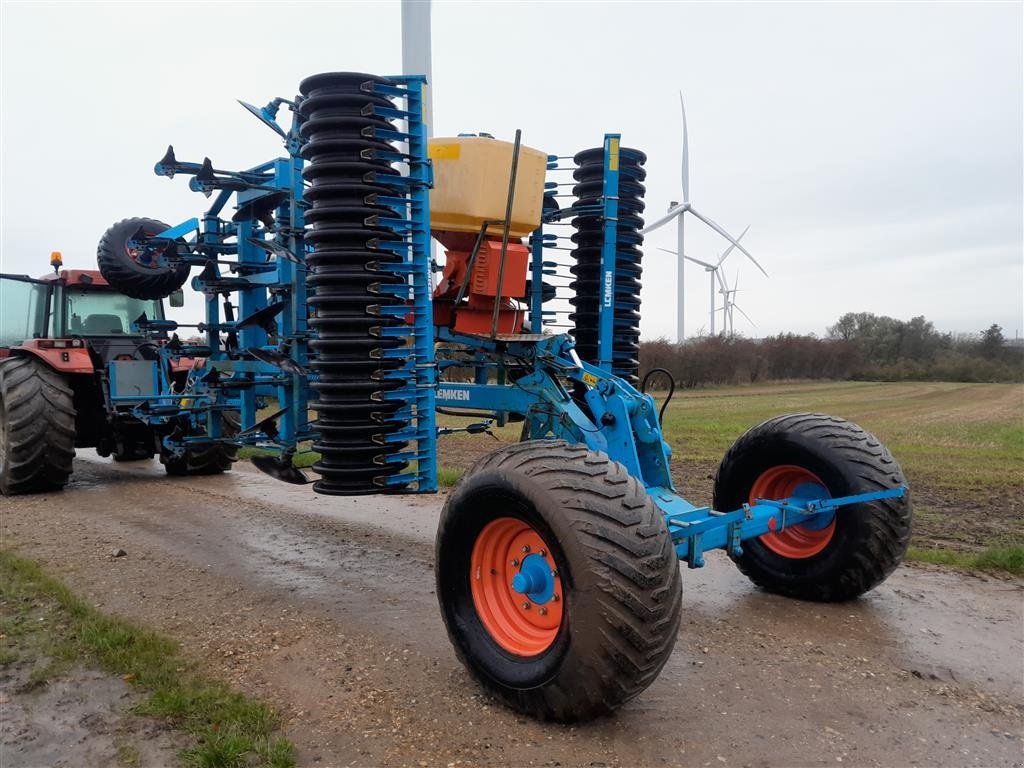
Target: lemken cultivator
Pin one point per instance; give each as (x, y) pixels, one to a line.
(556, 556)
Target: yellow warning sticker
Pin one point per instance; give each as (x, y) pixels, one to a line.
(613, 154)
(439, 150)
(589, 379)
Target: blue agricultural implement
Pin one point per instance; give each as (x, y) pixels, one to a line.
(556, 559)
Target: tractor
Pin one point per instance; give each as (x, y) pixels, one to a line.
(64, 338)
(557, 557)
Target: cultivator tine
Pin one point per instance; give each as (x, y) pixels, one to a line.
(280, 468)
(168, 164)
(263, 115)
(206, 171)
(260, 209)
(275, 249)
(278, 360)
(267, 426)
(264, 318)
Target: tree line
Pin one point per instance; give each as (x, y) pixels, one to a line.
(860, 346)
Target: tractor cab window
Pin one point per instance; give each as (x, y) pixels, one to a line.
(22, 310)
(98, 312)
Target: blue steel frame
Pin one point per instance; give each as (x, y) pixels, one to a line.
(610, 212)
(614, 418)
(557, 394)
(622, 422)
(236, 259)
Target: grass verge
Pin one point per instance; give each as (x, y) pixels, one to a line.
(228, 728)
(1004, 559)
(449, 476)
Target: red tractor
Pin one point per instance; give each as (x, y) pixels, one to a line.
(62, 337)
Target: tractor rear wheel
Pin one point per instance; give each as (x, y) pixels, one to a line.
(37, 427)
(132, 263)
(557, 580)
(831, 557)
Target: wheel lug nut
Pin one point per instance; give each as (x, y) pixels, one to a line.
(542, 611)
(555, 598)
(515, 562)
(526, 548)
(543, 553)
(526, 606)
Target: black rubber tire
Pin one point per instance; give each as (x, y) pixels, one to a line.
(128, 276)
(869, 540)
(618, 569)
(211, 460)
(37, 427)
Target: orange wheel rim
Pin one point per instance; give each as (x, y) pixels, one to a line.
(795, 541)
(524, 624)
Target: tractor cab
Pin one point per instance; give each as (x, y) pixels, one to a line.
(71, 310)
(75, 333)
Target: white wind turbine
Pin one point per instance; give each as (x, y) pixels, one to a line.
(677, 211)
(730, 305)
(714, 272)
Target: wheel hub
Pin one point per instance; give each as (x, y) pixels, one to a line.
(516, 589)
(535, 580)
(810, 536)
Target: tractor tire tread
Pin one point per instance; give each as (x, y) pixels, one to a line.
(635, 573)
(38, 407)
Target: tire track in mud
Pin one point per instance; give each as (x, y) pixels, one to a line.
(326, 607)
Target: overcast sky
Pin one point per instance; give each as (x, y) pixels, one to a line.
(875, 149)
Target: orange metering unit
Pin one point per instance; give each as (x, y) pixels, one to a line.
(468, 202)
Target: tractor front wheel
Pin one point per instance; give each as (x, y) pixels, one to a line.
(833, 556)
(37, 427)
(557, 579)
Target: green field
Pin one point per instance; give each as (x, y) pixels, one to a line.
(961, 447)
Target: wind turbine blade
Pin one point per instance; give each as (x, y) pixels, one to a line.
(727, 236)
(727, 251)
(724, 289)
(686, 153)
(738, 309)
(689, 258)
(675, 210)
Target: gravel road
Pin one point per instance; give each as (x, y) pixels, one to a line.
(325, 606)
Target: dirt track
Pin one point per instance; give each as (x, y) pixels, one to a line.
(326, 607)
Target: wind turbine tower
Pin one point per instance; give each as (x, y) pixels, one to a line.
(678, 210)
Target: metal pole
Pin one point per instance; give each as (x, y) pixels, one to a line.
(711, 273)
(416, 51)
(680, 282)
(504, 234)
(416, 61)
